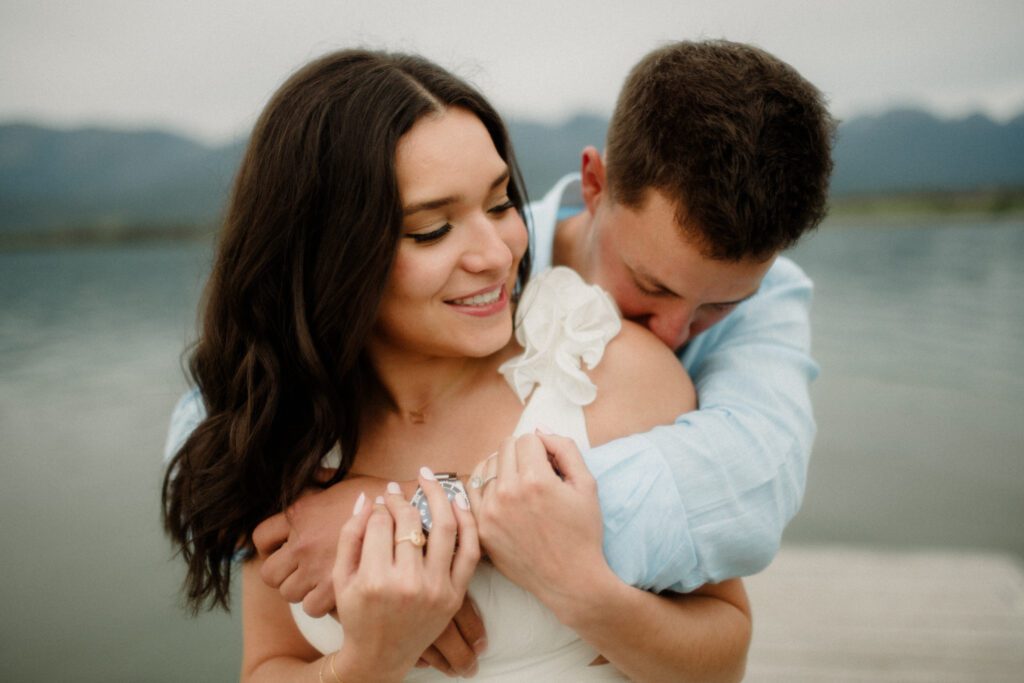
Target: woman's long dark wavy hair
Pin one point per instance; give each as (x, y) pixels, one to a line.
(306, 250)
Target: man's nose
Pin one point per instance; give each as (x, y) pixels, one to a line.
(672, 327)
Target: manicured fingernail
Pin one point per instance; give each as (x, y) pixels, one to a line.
(462, 501)
(541, 429)
(480, 645)
(360, 501)
(394, 488)
(492, 455)
(379, 500)
(426, 473)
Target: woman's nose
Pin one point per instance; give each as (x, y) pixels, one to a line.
(487, 249)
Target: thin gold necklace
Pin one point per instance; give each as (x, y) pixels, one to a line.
(419, 416)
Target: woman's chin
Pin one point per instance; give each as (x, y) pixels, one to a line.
(487, 344)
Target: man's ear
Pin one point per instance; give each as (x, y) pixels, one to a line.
(592, 178)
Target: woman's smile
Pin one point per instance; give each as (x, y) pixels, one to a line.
(486, 303)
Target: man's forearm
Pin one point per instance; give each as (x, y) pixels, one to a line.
(703, 636)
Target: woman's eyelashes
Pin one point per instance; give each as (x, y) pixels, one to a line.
(502, 208)
(432, 236)
(435, 235)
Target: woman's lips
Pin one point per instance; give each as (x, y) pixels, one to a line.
(484, 303)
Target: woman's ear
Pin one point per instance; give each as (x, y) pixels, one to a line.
(592, 178)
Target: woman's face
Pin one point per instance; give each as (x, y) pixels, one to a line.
(462, 240)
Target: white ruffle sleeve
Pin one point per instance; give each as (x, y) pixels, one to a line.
(563, 324)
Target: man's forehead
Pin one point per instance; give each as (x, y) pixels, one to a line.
(724, 281)
(679, 266)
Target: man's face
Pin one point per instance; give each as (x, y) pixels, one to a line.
(659, 278)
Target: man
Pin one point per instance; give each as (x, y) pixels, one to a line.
(718, 158)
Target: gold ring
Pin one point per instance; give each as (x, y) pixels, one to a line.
(416, 538)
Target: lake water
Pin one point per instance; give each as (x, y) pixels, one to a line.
(919, 330)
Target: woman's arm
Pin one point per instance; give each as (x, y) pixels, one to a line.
(274, 651)
(272, 647)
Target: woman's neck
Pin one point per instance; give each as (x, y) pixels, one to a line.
(420, 388)
(445, 413)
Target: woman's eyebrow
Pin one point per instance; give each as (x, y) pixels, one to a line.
(432, 204)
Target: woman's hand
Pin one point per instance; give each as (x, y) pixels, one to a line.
(395, 599)
(541, 531)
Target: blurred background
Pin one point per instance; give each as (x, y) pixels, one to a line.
(121, 124)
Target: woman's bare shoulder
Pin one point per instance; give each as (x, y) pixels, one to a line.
(640, 385)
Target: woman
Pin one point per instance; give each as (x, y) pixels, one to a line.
(361, 305)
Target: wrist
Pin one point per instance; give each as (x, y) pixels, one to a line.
(592, 596)
(351, 666)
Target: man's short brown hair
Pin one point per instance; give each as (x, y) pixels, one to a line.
(737, 138)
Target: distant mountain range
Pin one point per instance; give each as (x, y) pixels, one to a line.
(55, 180)
(910, 150)
(110, 181)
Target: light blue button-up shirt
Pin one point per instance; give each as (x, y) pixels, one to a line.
(706, 498)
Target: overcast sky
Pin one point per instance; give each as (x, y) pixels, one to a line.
(206, 67)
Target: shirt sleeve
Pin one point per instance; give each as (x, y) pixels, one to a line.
(707, 498)
(187, 415)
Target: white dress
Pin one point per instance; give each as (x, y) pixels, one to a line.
(562, 322)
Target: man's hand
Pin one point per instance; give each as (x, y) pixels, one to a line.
(455, 652)
(299, 544)
(540, 530)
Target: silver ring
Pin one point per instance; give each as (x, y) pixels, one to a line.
(477, 483)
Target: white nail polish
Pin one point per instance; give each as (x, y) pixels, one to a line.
(379, 500)
(394, 488)
(462, 501)
(426, 473)
(360, 501)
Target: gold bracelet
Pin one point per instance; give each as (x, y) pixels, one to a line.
(336, 676)
(320, 674)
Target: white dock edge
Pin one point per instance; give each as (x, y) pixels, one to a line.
(828, 614)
